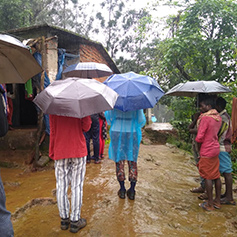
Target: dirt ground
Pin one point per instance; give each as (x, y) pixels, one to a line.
(164, 205)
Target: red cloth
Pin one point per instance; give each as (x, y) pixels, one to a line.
(66, 137)
(234, 120)
(209, 167)
(207, 136)
(10, 110)
(102, 141)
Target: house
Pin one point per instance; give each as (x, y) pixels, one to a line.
(50, 41)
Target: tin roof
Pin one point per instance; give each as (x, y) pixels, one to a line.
(66, 38)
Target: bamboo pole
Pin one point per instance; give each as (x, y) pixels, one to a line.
(40, 114)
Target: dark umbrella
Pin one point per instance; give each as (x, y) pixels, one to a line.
(17, 65)
(76, 97)
(193, 88)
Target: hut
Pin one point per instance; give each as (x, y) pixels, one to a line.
(58, 48)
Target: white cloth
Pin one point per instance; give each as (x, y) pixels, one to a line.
(70, 171)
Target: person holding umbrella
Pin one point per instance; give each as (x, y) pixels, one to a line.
(70, 103)
(68, 149)
(208, 125)
(126, 135)
(136, 92)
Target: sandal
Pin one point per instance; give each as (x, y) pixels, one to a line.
(203, 196)
(226, 202)
(205, 206)
(197, 190)
(216, 205)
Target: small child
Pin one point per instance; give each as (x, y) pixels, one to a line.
(209, 123)
(225, 149)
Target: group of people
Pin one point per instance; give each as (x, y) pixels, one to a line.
(211, 130)
(70, 149)
(98, 134)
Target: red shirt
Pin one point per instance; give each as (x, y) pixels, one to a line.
(207, 136)
(66, 137)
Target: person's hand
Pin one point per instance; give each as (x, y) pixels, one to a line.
(196, 116)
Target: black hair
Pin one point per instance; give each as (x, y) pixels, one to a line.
(210, 100)
(201, 97)
(221, 102)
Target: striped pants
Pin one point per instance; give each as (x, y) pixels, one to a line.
(70, 171)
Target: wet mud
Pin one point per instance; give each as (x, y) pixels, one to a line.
(163, 206)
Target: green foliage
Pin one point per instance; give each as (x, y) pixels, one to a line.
(180, 144)
(182, 128)
(202, 45)
(233, 155)
(234, 172)
(23, 13)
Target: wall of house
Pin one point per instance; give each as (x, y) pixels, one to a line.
(52, 58)
(89, 53)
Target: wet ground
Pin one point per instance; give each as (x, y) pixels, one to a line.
(163, 206)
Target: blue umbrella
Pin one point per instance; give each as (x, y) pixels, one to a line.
(135, 91)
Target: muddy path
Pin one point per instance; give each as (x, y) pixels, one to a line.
(163, 206)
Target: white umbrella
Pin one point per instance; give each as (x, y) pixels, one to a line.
(88, 70)
(193, 88)
(76, 97)
(17, 65)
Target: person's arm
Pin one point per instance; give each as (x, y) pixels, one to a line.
(194, 121)
(202, 130)
(141, 118)
(86, 123)
(108, 116)
(52, 135)
(193, 131)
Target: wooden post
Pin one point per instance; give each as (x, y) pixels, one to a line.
(40, 115)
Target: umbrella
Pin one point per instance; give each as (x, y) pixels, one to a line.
(88, 70)
(135, 91)
(193, 88)
(17, 65)
(76, 97)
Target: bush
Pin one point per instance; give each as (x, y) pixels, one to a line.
(180, 144)
(182, 128)
(233, 155)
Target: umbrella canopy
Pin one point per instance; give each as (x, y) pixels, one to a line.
(193, 88)
(88, 70)
(76, 97)
(135, 91)
(17, 65)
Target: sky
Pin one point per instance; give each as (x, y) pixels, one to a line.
(159, 12)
